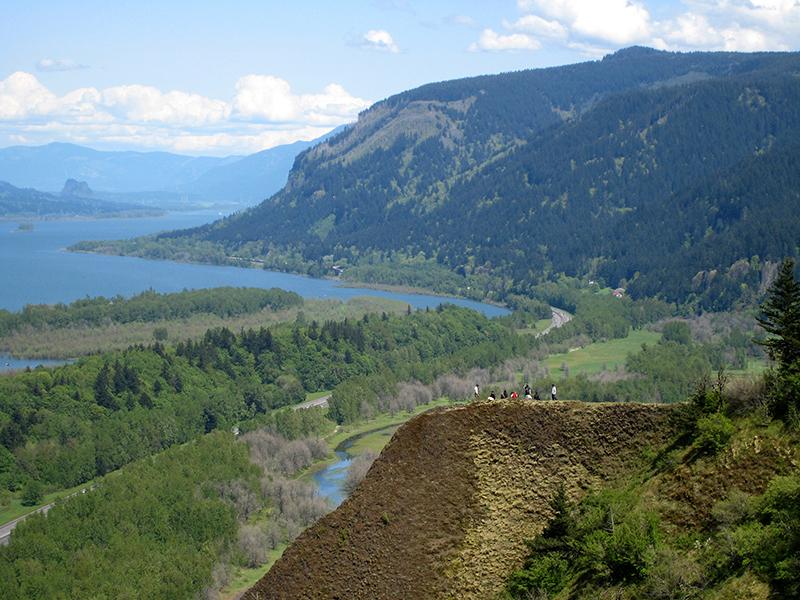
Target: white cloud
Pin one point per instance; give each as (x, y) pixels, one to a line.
(59, 64)
(691, 29)
(538, 26)
(380, 39)
(21, 95)
(264, 97)
(263, 112)
(491, 41)
(141, 103)
(617, 21)
(591, 25)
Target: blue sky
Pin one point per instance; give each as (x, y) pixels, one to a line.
(236, 77)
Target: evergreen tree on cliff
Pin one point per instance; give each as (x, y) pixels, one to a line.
(780, 317)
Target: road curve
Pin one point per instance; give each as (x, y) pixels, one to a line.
(559, 319)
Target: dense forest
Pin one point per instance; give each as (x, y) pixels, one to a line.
(149, 306)
(65, 426)
(674, 175)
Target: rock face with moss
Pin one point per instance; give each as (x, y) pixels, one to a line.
(446, 509)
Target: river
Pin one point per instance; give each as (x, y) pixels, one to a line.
(35, 268)
(330, 479)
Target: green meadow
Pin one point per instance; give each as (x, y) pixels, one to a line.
(601, 356)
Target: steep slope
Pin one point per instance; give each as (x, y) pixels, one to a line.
(550, 170)
(445, 510)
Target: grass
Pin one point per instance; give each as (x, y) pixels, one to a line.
(540, 325)
(373, 442)
(598, 356)
(754, 367)
(373, 432)
(315, 395)
(244, 578)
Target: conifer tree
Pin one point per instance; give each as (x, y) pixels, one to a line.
(780, 317)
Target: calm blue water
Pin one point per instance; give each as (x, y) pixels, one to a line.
(9, 363)
(35, 269)
(331, 479)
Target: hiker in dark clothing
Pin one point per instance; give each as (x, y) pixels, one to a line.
(504, 395)
(492, 396)
(536, 395)
(527, 390)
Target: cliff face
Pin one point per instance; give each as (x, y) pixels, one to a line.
(445, 510)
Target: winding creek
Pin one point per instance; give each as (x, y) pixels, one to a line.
(330, 479)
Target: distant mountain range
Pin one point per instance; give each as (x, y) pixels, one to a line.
(156, 178)
(672, 174)
(75, 200)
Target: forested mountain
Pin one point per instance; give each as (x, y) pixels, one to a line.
(673, 174)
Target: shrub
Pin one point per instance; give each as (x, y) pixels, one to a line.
(713, 433)
(673, 576)
(621, 551)
(32, 494)
(545, 575)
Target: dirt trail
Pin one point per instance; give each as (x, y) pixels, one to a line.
(445, 510)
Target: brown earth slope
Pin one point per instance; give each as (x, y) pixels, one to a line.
(446, 508)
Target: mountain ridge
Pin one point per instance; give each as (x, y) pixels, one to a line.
(634, 171)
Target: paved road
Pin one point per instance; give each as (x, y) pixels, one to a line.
(560, 318)
(322, 401)
(5, 530)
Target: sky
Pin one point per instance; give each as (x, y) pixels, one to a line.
(222, 78)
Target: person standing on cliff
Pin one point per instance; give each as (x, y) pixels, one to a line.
(553, 392)
(477, 391)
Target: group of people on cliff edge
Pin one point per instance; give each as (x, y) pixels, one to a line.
(529, 393)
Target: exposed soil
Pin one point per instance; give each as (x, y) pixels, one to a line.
(445, 510)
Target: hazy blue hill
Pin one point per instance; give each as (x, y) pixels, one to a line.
(252, 178)
(126, 175)
(46, 168)
(614, 169)
(28, 202)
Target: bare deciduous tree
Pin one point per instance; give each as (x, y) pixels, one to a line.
(358, 470)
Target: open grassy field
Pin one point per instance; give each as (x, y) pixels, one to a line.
(755, 366)
(598, 356)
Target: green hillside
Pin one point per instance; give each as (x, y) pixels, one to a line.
(672, 174)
